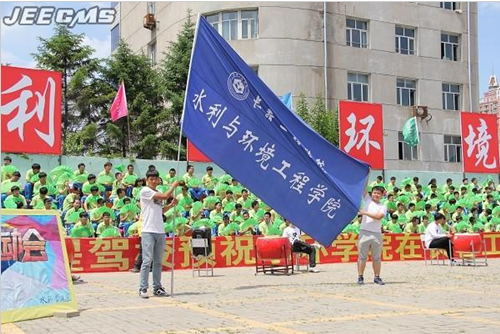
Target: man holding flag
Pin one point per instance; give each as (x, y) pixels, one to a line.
(273, 152)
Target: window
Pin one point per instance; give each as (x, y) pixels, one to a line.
(357, 33)
(152, 52)
(115, 37)
(357, 87)
(449, 47)
(406, 92)
(452, 148)
(406, 152)
(249, 24)
(451, 97)
(449, 5)
(405, 41)
(236, 25)
(151, 7)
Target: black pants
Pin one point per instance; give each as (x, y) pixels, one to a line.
(303, 247)
(443, 243)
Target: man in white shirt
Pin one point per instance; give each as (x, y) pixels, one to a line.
(435, 238)
(298, 246)
(153, 232)
(370, 234)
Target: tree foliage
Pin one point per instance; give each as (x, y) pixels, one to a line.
(322, 120)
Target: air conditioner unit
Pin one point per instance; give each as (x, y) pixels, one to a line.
(149, 21)
(459, 11)
(420, 111)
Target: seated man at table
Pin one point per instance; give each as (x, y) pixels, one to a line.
(435, 238)
(298, 246)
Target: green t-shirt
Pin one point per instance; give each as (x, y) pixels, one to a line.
(17, 199)
(208, 182)
(71, 211)
(82, 231)
(68, 201)
(264, 228)
(37, 200)
(92, 201)
(188, 178)
(409, 228)
(102, 227)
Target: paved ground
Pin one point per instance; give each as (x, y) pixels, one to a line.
(416, 299)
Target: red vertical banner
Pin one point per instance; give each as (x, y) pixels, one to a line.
(480, 149)
(362, 132)
(193, 154)
(31, 110)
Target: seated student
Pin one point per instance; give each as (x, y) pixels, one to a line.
(171, 177)
(217, 211)
(86, 189)
(42, 182)
(250, 230)
(189, 174)
(80, 172)
(393, 225)
(435, 238)
(62, 192)
(238, 212)
(208, 180)
(127, 219)
(411, 210)
(77, 207)
(107, 224)
(38, 200)
(128, 185)
(47, 204)
(71, 198)
(412, 226)
(208, 203)
(458, 212)
(96, 217)
(461, 226)
(6, 162)
(28, 187)
(236, 188)
(139, 184)
(228, 199)
(423, 225)
(118, 201)
(244, 200)
(477, 226)
(298, 246)
(117, 184)
(254, 209)
(223, 225)
(266, 224)
(17, 198)
(108, 186)
(14, 178)
(91, 201)
(88, 230)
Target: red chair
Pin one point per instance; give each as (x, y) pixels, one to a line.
(273, 255)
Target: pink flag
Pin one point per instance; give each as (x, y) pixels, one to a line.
(119, 107)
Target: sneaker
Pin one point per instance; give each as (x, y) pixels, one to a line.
(361, 280)
(160, 292)
(143, 293)
(134, 270)
(313, 270)
(316, 245)
(378, 280)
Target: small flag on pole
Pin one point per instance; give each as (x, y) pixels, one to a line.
(410, 132)
(119, 107)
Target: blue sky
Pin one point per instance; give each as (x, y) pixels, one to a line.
(17, 42)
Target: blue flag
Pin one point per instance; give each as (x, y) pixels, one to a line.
(287, 100)
(242, 126)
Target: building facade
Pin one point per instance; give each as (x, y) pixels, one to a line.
(397, 54)
(490, 103)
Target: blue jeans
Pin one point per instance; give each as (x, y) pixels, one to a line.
(196, 193)
(153, 248)
(60, 201)
(128, 192)
(4, 196)
(106, 189)
(28, 191)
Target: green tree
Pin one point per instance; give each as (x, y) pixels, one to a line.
(64, 52)
(302, 109)
(174, 70)
(324, 121)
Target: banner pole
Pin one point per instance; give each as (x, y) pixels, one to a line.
(179, 154)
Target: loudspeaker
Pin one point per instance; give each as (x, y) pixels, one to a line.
(202, 233)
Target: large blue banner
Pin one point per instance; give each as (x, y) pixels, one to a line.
(240, 124)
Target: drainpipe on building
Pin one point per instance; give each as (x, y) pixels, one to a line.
(469, 57)
(325, 44)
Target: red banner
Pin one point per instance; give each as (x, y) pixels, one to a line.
(31, 111)
(118, 254)
(362, 132)
(193, 154)
(480, 150)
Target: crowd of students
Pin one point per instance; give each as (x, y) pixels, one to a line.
(106, 204)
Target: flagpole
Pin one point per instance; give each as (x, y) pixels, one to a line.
(128, 131)
(179, 153)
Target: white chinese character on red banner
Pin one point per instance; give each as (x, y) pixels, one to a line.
(363, 137)
(480, 142)
(20, 104)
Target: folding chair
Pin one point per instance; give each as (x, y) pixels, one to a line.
(201, 248)
(441, 255)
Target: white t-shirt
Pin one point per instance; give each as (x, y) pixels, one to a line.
(433, 231)
(292, 234)
(368, 223)
(151, 212)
